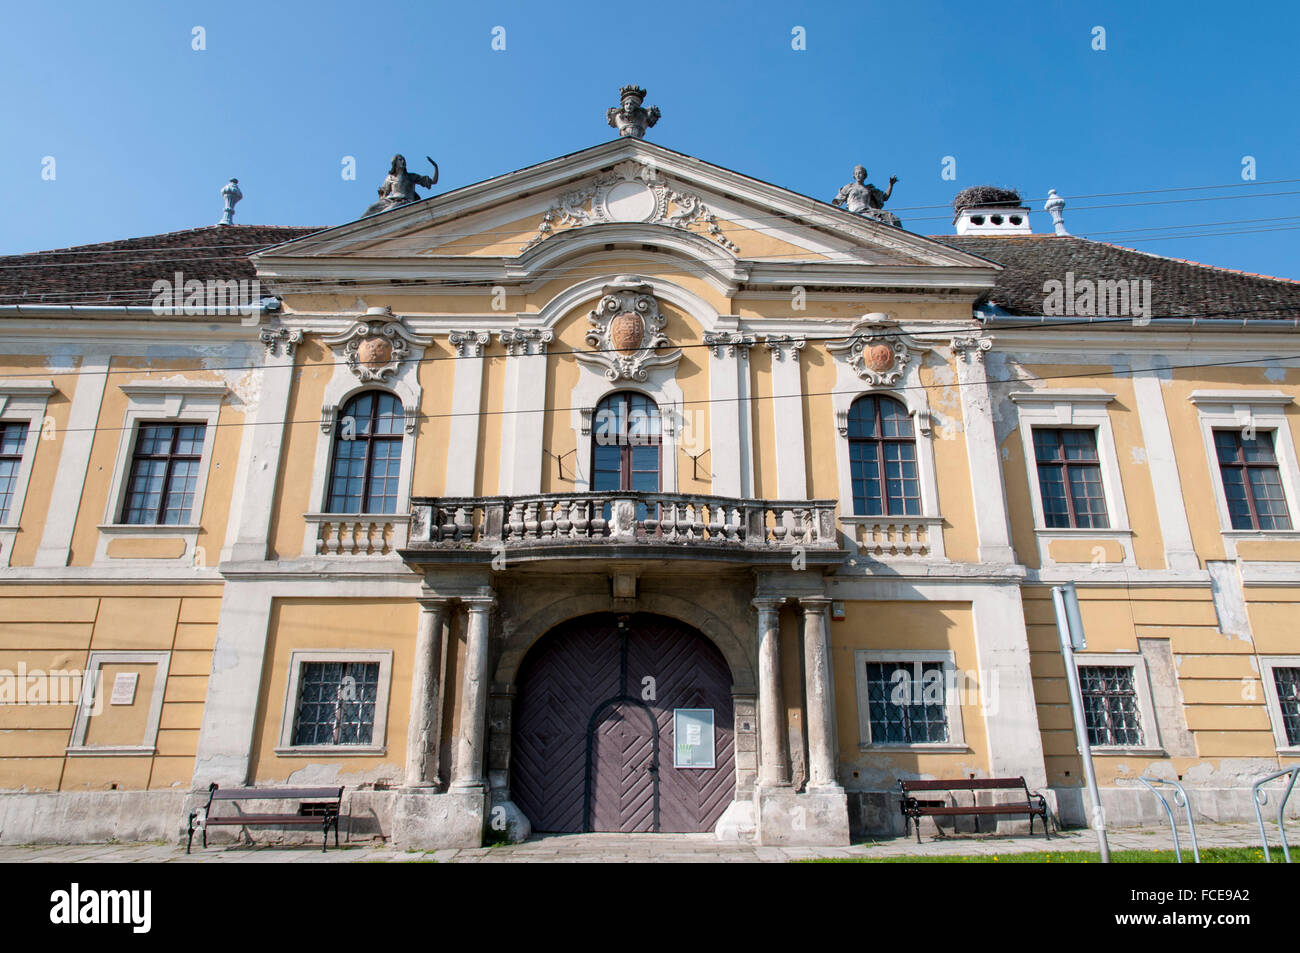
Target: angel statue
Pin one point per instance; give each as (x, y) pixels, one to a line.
(630, 118)
(399, 186)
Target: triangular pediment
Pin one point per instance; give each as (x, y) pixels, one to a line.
(626, 193)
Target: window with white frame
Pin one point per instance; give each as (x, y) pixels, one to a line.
(163, 458)
(1072, 468)
(909, 699)
(1281, 676)
(1251, 453)
(1118, 708)
(336, 700)
(22, 419)
(882, 458)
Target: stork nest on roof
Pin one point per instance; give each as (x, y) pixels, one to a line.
(981, 195)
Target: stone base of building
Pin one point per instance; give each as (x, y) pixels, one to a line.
(90, 817)
(426, 820)
(818, 817)
(737, 822)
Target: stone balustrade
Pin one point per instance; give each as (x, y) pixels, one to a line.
(623, 518)
(888, 536)
(350, 534)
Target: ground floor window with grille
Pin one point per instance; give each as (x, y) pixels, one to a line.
(907, 699)
(336, 700)
(1110, 705)
(1282, 686)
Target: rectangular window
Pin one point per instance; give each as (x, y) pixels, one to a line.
(164, 473)
(1287, 682)
(13, 439)
(1251, 480)
(906, 702)
(1069, 476)
(336, 703)
(1110, 705)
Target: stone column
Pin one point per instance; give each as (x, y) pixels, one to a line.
(773, 762)
(472, 744)
(426, 697)
(821, 700)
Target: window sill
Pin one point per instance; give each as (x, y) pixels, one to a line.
(151, 529)
(1127, 750)
(937, 748)
(1076, 531)
(109, 750)
(305, 751)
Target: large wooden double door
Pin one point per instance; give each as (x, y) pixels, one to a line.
(604, 703)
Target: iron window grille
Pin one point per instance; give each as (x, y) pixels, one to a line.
(882, 458)
(1110, 705)
(1252, 483)
(164, 473)
(13, 440)
(367, 455)
(336, 703)
(1069, 478)
(907, 703)
(1287, 681)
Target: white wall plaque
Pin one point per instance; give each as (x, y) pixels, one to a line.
(124, 688)
(693, 738)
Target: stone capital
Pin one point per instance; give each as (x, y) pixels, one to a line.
(469, 343)
(785, 346)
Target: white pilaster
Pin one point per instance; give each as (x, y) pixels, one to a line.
(991, 525)
(70, 480)
(728, 440)
(524, 417)
(258, 470)
(787, 409)
(466, 407)
(1180, 553)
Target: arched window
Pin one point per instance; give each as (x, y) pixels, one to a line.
(627, 436)
(882, 458)
(367, 458)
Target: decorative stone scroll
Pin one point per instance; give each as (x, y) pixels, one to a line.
(375, 346)
(633, 191)
(280, 339)
(469, 343)
(972, 347)
(878, 350)
(729, 343)
(627, 330)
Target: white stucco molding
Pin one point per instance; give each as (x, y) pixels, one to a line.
(22, 402)
(1082, 409)
(97, 660)
(398, 376)
(1243, 410)
(898, 377)
(165, 401)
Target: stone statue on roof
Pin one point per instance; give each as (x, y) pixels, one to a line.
(863, 198)
(399, 186)
(629, 117)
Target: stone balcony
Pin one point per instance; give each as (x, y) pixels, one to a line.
(553, 526)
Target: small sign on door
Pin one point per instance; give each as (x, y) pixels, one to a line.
(124, 688)
(693, 745)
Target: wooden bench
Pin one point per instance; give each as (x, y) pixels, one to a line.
(915, 808)
(332, 799)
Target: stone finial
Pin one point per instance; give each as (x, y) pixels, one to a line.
(230, 192)
(629, 117)
(1055, 205)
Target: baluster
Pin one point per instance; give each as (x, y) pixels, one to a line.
(697, 520)
(734, 529)
(717, 519)
(582, 521)
(563, 525)
(779, 528)
(547, 525)
(516, 519)
(531, 525)
(464, 522)
(378, 535)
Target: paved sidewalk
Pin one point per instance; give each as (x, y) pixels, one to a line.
(640, 849)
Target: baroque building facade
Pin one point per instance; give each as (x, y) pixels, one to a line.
(627, 492)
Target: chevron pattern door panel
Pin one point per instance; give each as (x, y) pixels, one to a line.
(593, 740)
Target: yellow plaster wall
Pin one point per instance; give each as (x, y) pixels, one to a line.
(938, 626)
(381, 624)
(56, 628)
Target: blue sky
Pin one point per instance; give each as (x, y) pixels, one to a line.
(144, 130)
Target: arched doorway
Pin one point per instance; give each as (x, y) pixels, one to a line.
(623, 723)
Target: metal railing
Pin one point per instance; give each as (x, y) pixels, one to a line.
(1260, 797)
(1182, 800)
